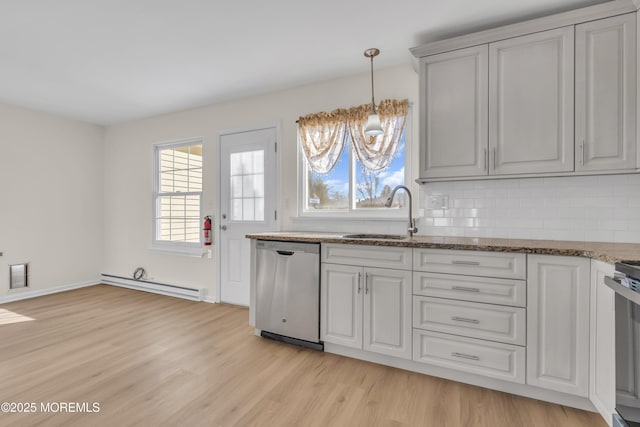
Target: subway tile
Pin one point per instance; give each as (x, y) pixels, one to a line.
(462, 222)
(504, 203)
(463, 203)
(484, 203)
(626, 236)
(613, 224)
(557, 224)
(484, 222)
(598, 208)
(442, 222)
(520, 213)
(595, 235)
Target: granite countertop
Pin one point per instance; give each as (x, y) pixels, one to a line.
(607, 252)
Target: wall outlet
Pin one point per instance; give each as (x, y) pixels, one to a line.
(438, 201)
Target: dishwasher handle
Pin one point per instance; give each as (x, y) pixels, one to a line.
(285, 253)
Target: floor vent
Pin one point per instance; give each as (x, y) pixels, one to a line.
(194, 294)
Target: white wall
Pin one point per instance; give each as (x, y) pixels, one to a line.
(76, 199)
(602, 208)
(128, 166)
(50, 198)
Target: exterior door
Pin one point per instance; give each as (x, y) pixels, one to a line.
(248, 201)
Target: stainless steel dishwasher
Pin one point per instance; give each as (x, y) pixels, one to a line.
(288, 292)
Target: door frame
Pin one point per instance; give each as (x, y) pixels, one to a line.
(218, 211)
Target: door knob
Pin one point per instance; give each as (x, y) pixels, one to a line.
(223, 227)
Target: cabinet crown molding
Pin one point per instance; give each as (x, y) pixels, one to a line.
(572, 17)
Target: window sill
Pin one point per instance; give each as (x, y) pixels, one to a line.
(310, 218)
(198, 252)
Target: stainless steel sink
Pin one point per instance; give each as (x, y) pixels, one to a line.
(374, 236)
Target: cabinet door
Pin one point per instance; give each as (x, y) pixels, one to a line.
(387, 312)
(531, 103)
(606, 94)
(454, 94)
(558, 323)
(602, 388)
(341, 305)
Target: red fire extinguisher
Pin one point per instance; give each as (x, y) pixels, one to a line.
(207, 230)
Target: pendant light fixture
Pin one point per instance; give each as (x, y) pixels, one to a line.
(373, 127)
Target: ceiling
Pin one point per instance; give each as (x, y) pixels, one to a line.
(109, 61)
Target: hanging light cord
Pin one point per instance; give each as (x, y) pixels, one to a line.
(370, 53)
(373, 103)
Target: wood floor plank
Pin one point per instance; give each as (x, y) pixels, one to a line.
(151, 360)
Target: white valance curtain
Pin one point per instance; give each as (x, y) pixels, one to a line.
(322, 135)
(376, 152)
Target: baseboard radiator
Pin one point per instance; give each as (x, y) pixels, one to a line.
(194, 294)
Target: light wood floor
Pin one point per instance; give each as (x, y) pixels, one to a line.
(151, 360)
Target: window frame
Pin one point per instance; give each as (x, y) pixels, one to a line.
(164, 246)
(352, 212)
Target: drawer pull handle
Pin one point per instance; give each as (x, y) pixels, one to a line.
(459, 262)
(465, 289)
(466, 356)
(465, 320)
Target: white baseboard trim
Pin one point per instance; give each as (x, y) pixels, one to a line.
(190, 293)
(210, 299)
(26, 294)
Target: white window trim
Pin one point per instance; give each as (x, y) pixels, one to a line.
(160, 246)
(356, 214)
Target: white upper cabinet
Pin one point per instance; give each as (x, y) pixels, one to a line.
(531, 103)
(454, 90)
(553, 96)
(606, 94)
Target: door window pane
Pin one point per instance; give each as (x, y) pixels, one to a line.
(247, 186)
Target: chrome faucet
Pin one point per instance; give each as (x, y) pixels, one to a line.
(412, 222)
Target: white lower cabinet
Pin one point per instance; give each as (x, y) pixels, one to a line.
(367, 308)
(602, 389)
(469, 312)
(552, 331)
(341, 302)
(488, 358)
(471, 319)
(558, 323)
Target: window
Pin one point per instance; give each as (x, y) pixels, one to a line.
(351, 189)
(247, 186)
(177, 195)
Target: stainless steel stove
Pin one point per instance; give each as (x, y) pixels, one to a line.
(626, 284)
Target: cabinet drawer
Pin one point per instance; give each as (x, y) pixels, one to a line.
(474, 263)
(369, 256)
(496, 360)
(470, 288)
(471, 319)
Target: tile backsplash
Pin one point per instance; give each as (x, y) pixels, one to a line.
(585, 208)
